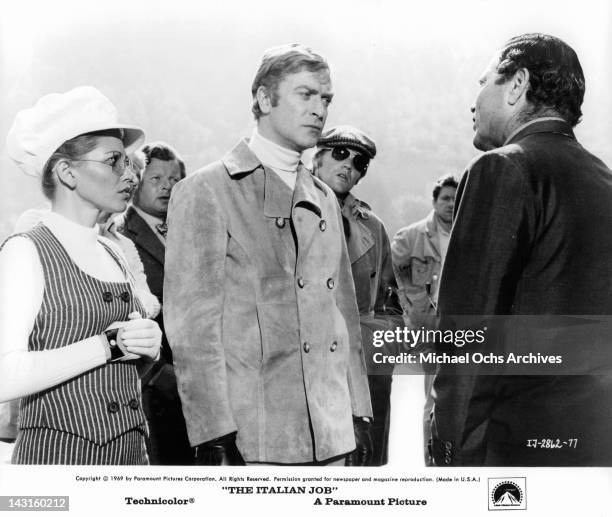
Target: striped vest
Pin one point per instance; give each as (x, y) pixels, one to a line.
(105, 402)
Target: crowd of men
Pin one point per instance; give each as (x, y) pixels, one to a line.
(273, 278)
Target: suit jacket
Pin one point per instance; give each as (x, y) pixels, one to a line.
(152, 254)
(531, 237)
(150, 249)
(260, 311)
(168, 443)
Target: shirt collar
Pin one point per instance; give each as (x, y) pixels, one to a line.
(151, 220)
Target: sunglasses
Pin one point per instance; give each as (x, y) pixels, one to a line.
(360, 161)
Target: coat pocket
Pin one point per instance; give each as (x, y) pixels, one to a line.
(421, 271)
(278, 319)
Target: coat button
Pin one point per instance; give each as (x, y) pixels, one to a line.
(134, 404)
(333, 346)
(107, 296)
(306, 347)
(322, 225)
(125, 296)
(447, 460)
(434, 277)
(300, 282)
(280, 222)
(448, 446)
(330, 283)
(113, 407)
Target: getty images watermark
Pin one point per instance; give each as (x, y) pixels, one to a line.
(517, 344)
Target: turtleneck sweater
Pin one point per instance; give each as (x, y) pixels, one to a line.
(281, 160)
(107, 230)
(23, 372)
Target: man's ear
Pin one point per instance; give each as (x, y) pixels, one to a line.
(65, 174)
(518, 86)
(264, 100)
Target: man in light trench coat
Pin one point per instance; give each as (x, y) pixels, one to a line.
(260, 307)
(342, 159)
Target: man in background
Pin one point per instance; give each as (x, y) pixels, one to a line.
(418, 253)
(341, 161)
(145, 224)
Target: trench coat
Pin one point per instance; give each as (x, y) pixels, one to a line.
(260, 312)
(531, 237)
(379, 309)
(418, 263)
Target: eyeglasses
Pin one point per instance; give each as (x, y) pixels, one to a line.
(360, 161)
(118, 163)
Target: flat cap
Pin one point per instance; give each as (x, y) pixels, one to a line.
(348, 136)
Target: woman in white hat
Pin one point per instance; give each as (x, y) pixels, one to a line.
(71, 331)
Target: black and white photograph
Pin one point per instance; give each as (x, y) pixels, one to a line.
(277, 256)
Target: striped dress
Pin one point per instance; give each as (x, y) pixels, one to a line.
(96, 417)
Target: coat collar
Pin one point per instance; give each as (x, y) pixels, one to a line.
(431, 225)
(543, 125)
(430, 228)
(361, 239)
(277, 195)
(307, 190)
(242, 161)
(355, 207)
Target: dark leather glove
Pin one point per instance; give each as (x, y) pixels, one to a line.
(362, 455)
(220, 451)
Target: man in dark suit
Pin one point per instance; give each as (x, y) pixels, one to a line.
(145, 224)
(531, 237)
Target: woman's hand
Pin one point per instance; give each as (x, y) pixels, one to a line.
(141, 337)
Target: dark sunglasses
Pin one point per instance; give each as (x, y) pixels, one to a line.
(360, 161)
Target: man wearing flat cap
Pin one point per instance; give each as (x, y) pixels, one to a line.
(259, 300)
(341, 161)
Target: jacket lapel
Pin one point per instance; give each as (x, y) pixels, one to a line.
(306, 209)
(277, 196)
(431, 244)
(143, 235)
(361, 238)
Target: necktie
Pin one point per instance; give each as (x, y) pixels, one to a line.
(162, 228)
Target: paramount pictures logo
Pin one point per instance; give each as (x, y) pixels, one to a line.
(507, 493)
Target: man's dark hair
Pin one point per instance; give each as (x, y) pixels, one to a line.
(445, 181)
(279, 62)
(162, 151)
(556, 80)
